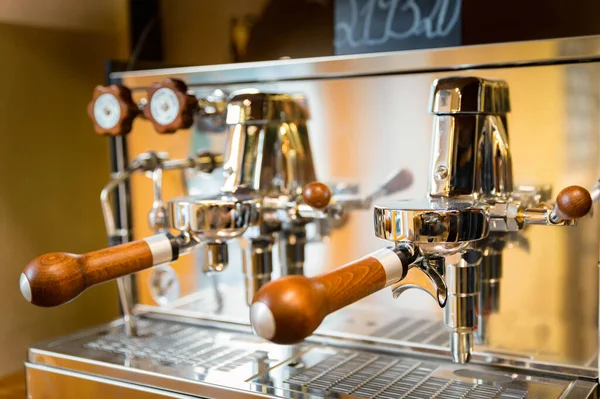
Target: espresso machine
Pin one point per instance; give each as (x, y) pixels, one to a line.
(225, 245)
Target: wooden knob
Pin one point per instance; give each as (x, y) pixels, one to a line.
(573, 202)
(112, 110)
(169, 106)
(287, 310)
(316, 195)
(57, 278)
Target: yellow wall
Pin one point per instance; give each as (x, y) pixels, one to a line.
(52, 165)
(196, 32)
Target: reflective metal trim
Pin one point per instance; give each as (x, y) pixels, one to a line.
(162, 251)
(394, 269)
(430, 221)
(71, 378)
(402, 62)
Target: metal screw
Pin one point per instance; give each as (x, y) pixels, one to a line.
(441, 172)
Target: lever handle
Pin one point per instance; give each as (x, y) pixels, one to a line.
(287, 310)
(396, 182)
(317, 195)
(595, 191)
(573, 202)
(56, 278)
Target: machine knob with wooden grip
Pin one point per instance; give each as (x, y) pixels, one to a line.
(56, 278)
(169, 106)
(573, 202)
(112, 110)
(317, 195)
(288, 310)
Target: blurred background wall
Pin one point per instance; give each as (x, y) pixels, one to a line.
(52, 166)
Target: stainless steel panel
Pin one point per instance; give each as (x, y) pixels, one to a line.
(364, 126)
(51, 383)
(175, 359)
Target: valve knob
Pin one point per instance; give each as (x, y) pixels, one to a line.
(316, 195)
(572, 202)
(169, 106)
(112, 110)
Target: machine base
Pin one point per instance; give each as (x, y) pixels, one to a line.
(179, 360)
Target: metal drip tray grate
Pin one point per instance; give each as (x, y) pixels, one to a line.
(422, 331)
(177, 344)
(368, 375)
(211, 362)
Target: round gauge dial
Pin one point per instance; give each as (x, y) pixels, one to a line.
(107, 111)
(164, 285)
(164, 106)
(112, 110)
(170, 107)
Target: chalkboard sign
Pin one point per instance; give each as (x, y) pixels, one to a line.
(369, 26)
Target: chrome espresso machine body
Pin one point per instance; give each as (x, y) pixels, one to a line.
(470, 218)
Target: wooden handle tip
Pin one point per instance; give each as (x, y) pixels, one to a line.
(316, 195)
(288, 310)
(574, 202)
(52, 279)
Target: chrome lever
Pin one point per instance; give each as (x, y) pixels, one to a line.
(595, 191)
(396, 182)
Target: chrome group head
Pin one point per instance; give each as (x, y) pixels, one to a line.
(471, 211)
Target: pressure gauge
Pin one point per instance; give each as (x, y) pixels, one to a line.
(164, 285)
(107, 111)
(112, 110)
(164, 106)
(169, 106)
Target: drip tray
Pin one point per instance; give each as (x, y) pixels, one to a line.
(365, 375)
(209, 362)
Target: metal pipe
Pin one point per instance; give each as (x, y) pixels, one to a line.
(291, 250)
(257, 272)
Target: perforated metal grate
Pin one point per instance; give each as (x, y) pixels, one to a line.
(420, 331)
(176, 344)
(384, 377)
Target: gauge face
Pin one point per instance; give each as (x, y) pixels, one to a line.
(164, 106)
(107, 111)
(164, 285)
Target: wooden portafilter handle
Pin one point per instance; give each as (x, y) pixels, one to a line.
(573, 202)
(56, 278)
(287, 310)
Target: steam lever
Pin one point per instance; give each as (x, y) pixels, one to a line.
(573, 202)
